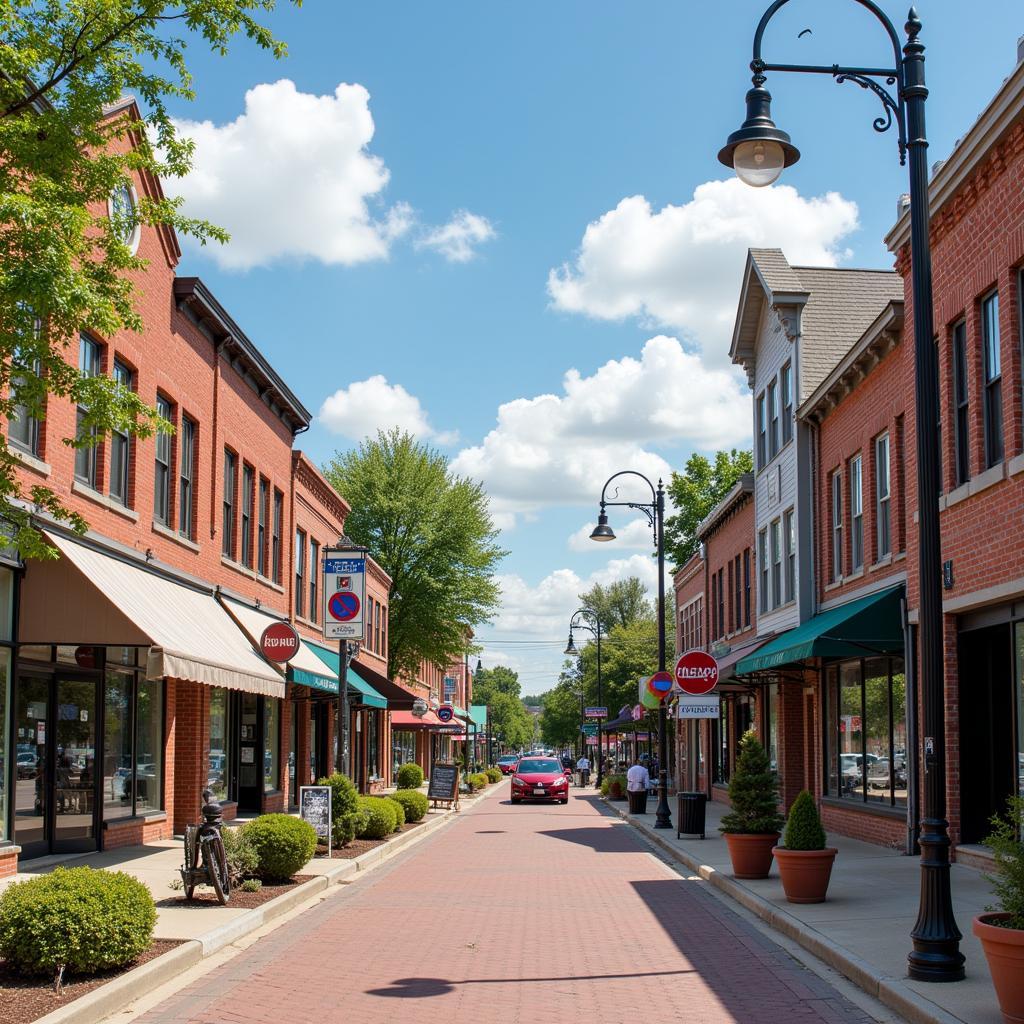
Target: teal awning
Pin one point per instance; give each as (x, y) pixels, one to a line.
(304, 676)
(368, 695)
(478, 715)
(871, 625)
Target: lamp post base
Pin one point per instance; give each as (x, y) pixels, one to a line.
(936, 954)
(663, 815)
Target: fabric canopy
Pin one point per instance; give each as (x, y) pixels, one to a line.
(398, 697)
(478, 715)
(305, 668)
(368, 696)
(407, 720)
(190, 635)
(870, 625)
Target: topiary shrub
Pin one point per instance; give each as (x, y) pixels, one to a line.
(243, 860)
(414, 803)
(75, 921)
(494, 774)
(282, 843)
(410, 776)
(804, 830)
(380, 816)
(1008, 879)
(399, 813)
(346, 816)
(753, 793)
(479, 781)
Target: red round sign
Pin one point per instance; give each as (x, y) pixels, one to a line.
(697, 673)
(660, 684)
(279, 642)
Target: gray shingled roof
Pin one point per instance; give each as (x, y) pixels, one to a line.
(776, 271)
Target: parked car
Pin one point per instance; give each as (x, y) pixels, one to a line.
(27, 764)
(540, 778)
(851, 769)
(878, 774)
(568, 763)
(507, 763)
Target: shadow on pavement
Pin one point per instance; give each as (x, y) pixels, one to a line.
(603, 840)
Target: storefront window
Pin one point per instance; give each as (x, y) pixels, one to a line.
(866, 731)
(133, 741)
(5, 702)
(1019, 645)
(772, 722)
(271, 743)
(117, 746)
(403, 749)
(220, 762)
(149, 745)
(720, 744)
(372, 744)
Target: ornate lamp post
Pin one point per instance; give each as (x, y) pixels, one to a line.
(654, 510)
(571, 651)
(759, 151)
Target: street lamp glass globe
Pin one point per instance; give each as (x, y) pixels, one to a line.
(602, 531)
(758, 162)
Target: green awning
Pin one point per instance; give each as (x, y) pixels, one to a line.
(305, 676)
(368, 695)
(871, 625)
(478, 715)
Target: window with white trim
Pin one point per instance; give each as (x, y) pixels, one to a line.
(762, 561)
(89, 364)
(856, 513)
(762, 450)
(773, 420)
(883, 521)
(787, 402)
(776, 539)
(837, 525)
(789, 540)
(992, 366)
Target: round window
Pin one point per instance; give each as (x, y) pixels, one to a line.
(122, 213)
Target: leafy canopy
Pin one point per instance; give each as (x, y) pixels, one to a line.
(694, 493)
(432, 533)
(64, 264)
(619, 604)
(499, 688)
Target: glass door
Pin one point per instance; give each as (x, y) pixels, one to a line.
(74, 796)
(32, 793)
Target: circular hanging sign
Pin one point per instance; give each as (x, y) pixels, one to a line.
(446, 712)
(697, 673)
(660, 684)
(343, 606)
(279, 642)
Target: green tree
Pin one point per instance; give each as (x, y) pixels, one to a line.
(694, 493)
(620, 603)
(432, 533)
(560, 711)
(489, 681)
(498, 688)
(64, 263)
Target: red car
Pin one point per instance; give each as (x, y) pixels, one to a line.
(540, 778)
(507, 763)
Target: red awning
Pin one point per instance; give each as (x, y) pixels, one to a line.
(407, 720)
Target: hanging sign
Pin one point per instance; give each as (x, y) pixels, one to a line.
(446, 712)
(697, 673)
(595, 712)
(660, 685)
(344, 594)
(279, 642)
(698, 706)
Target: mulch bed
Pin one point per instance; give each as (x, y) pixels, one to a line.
(205, 897)
(360, 846)
(27, 999)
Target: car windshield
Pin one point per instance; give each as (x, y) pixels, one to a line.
(538, 766)
(507, 760)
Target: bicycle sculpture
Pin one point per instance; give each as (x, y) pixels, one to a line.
(205, 860)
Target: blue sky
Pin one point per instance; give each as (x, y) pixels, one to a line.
(416, 245)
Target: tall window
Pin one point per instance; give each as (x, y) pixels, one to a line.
(773, 420)
(261, 526)
(314, 576)
(120, 444)
(300, 582)
(776, 532)
(961, 406)
(732, 612)
(746, 586)
(787, 402)
(162, 466)
(275, 536)
(762, 561)
(938, 432)
(883, 525)
(837, 525)
(714, 606)
(228, 522)
(721, 602)
(789, 539)
(762, 450)
(85, 458)
(23, 427)
(993, 380)
(739, 593)
(186, 477)
(856, 513)
(248, 478)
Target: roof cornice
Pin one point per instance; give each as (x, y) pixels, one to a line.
(743, 488)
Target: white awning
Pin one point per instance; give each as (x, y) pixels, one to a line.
(190, 635)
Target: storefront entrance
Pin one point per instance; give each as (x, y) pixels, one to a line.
(56, 789)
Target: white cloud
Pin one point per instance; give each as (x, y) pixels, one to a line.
(292, 178)
(680, 267)
(457, 240)
(630, 535)
(366, 406)
(560, 449)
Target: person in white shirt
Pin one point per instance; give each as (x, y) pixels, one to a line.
(583, 767)
(638, 781)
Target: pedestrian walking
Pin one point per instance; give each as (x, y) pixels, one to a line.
(583, 767)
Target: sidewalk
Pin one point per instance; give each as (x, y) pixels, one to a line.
(863, 929)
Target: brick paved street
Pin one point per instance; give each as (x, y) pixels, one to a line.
(516, 914)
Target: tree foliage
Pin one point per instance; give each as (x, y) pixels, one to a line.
(432, 533)
(619, 604)
(64, 263)
(499, 688)
(560, 710)
(694, 493)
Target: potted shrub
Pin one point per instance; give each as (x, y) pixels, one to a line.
(805, 862)
(752, 827)
(1001, 930)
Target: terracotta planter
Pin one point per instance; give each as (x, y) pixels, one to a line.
(805, 873)
(1004, 950)
(615, 791)
(751, 854)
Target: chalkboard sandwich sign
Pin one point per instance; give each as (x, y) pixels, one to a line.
(315, 808)
(444, 783)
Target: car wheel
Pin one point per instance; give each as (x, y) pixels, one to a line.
(564, 802)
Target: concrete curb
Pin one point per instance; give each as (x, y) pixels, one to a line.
(891, 992)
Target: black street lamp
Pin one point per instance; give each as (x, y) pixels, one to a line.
(654, 510)
(572, 651)
(758, 152)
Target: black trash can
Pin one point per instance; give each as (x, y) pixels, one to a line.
(637, 801)
(691, 815)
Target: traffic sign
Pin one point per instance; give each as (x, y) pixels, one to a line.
(279, 642)
(697, 673)
(343, 606)
(595, 713)
(446, 712)
(344, 590)
(589, 729)
(660, 685)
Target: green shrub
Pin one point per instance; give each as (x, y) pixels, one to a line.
(753, 793)
(494, 774)
(78, 920)
(243, 860)
(346, 816)
(282, 843)
(478, 781)
(410, 776)
(251, 885)
(414, 803)
(380, 817)
(804, 830)
(1008, 848)
(613, 786)
(399, 813)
